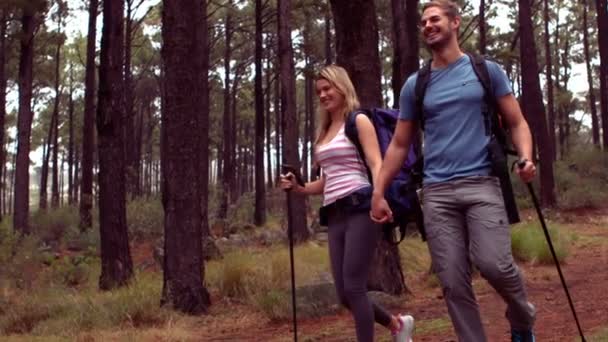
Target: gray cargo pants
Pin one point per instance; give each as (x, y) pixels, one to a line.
(466, 224)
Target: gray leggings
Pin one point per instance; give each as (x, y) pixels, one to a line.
(352, 242)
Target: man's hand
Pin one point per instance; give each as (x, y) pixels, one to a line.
(380, 212)
(526, 170)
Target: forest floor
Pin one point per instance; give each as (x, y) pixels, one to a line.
(585, 271)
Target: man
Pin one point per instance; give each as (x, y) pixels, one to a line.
(464, 212)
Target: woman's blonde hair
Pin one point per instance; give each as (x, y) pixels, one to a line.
(338, 78)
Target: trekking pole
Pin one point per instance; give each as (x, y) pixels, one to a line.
(286, 169)
(521, 165)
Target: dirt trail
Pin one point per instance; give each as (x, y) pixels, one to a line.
(586, 273)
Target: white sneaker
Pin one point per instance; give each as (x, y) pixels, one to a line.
(406, 328)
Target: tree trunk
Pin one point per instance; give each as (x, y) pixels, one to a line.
(328, 50)
(55, 127)
(184, 37)
(357, 47)
(278, 118)
(548, 74)
(268, 122)
(116, 264)
(595, 127)
(228, 147)
(204, 114)
(357, 37)
(259, 217)
(71, 174)
(299, 226)
(44, 170)
(482, 27)
(3, 84)
(76, 179)
(399, 36)
(24, 123)
(130, 142)
(532, 101)
(602, 28)
(88, 133)
(412, 58)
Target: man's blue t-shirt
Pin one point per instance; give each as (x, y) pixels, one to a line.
(455, 141)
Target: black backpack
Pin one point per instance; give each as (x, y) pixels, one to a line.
(498, 148)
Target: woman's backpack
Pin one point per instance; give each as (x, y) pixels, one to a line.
(401, 194)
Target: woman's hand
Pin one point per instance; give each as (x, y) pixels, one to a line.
(288, 182)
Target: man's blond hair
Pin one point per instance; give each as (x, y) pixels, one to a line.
(450, 8)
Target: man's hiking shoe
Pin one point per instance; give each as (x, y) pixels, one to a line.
(406, 328)
(522, 336)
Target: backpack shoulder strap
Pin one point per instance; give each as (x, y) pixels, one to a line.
(422, 81)
(352, 133)
(489, 108)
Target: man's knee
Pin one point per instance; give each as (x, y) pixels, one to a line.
(454, 284)
(497, 271)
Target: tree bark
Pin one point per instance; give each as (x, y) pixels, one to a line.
(595, 126)
(55, 125)
(399, 35)
(44, 170)
(268, 121)
(259, 217)
(357, 37)
(532, 101)
(412, 58)
(548, 74)
(130, 142)
(71, 174)
(357, 47)
(228, 147)
(299, 226)
(482, 27)
(602, 28)
(116, 264)
(3, 84)
(204, 120)
(24, 123)
(184, 44)
(328, 51)
(88, 127)
(278, 118)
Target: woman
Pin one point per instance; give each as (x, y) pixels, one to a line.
(346, 193)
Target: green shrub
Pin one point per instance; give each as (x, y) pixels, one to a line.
(233, 274)
(60, 311)
(275, 304)
(87, 242)
(145, 218)
(52, 225)
(529, 243)
(580, 181)
(21, 260)
(71, 271)
(24, 318)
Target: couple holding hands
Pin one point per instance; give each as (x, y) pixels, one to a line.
(464, 213)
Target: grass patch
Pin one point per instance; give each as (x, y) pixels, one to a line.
(599, 336)
(60, 311)
(415, 257)
(433, 325)
(529, 243)
(145, 218)
(262, 277)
